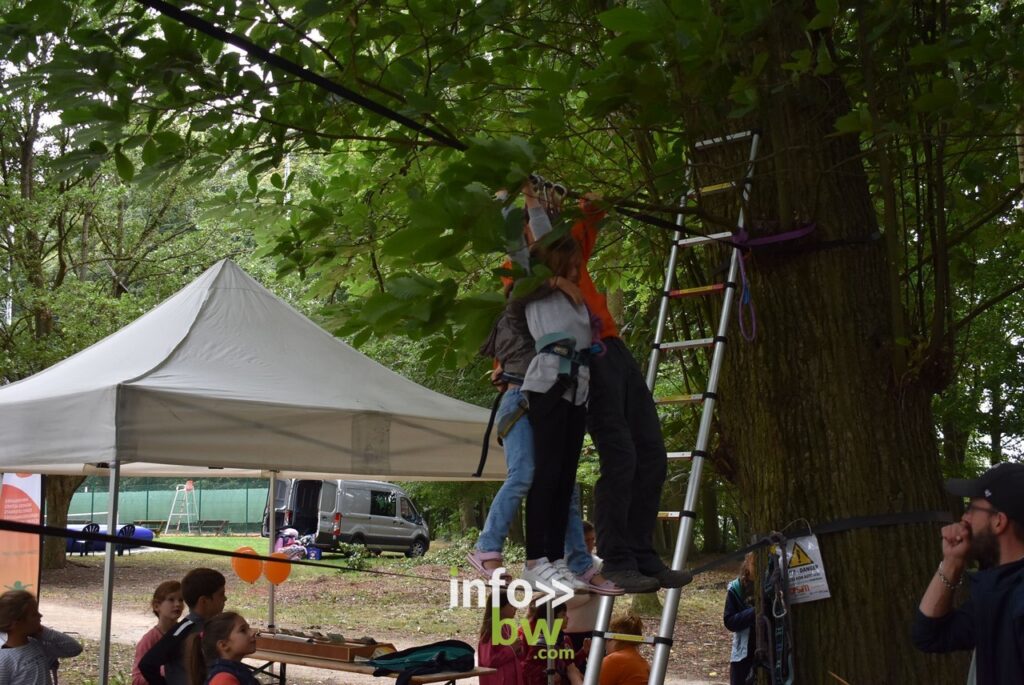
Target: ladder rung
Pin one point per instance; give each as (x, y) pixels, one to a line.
(626, 637)
(704, 240)
(698, 291)
(680, 455)
(679, 399)
(731, 138)
(705, 191)
(687, 344)
(668, 515)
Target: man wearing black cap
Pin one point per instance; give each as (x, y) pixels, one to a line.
(991, 621)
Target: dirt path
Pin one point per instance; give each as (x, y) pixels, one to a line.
(127, 627)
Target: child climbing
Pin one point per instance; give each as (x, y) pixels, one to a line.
(623, 421)
(512, 344)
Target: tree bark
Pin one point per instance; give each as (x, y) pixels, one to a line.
(821, 426)
(996, 411)
(59, 490)
(709, 518)
(467, 512)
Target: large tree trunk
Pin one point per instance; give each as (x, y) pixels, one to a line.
(820, 427)
(59, 490)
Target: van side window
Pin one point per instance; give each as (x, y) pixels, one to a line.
(382, 503)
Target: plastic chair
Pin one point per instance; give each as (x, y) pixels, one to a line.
(85, 548)
(125, 531)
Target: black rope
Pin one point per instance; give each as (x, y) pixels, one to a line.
(487, 435)
(671, 226)
(839, 526)
(35, 529)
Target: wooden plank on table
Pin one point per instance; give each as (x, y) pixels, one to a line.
(335, 665)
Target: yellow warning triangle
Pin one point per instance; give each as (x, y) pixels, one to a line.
(799, 558)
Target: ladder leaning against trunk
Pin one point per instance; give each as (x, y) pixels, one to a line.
(662, 641)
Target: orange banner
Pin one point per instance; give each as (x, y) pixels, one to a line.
(20, 499)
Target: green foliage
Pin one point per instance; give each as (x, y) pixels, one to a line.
(384, 235)
(454, 553)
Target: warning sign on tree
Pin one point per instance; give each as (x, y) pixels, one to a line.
(806, 572)
(799, 557)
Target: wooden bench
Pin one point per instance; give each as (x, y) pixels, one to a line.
(155, 525)
(212, 526)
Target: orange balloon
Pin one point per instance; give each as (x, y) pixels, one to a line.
(248, 570)
(277, 571)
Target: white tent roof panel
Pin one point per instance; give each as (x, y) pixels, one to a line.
(225, 374)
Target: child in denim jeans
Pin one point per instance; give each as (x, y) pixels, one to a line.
(512, 344)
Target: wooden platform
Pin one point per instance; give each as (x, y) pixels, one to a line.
(285, 658)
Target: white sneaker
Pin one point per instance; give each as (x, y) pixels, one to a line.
(569, 578)
(542, 572)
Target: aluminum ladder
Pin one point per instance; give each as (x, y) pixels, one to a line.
(662, 641)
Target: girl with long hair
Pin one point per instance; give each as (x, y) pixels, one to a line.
(215, 654)
(739, 619)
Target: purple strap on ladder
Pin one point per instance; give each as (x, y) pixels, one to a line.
(744, 241)
(743, 238)
(746, 302)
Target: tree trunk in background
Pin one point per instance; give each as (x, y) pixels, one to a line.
(517, 533)
(996, 411)
(467, 513)
(709, 518)
(954, 442)
(59, 490)
(821, 428)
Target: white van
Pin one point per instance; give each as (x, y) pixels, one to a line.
(379, 515)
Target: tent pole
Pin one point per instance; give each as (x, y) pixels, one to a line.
(272, 538)
(108, 572)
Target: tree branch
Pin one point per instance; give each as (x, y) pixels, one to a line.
(985, 306)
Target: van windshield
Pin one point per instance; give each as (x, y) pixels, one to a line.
(409, 511)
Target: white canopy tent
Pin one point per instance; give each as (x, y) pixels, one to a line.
(226, 376)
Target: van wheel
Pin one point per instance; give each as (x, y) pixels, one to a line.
(417, 549)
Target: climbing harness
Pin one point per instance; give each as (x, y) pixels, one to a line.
(775, 652)
(509, 420)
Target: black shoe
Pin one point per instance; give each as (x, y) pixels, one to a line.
(668, 578)
(632, 581)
